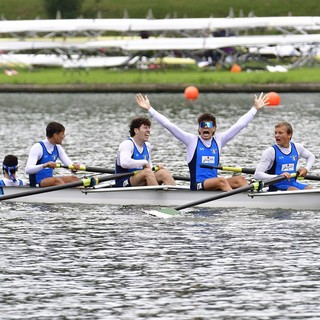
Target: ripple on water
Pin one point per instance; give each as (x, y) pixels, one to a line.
(109, 262)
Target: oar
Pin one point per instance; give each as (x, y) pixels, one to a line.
(253, 186)
(105, 170)
(86, 182)
(233, 169)
(86, 168)
(251, 171)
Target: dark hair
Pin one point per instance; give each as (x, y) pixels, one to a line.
(207, 117)
(54, 127)
(10, 161)
(137, 123)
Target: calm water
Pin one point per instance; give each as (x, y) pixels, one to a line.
(110, 262)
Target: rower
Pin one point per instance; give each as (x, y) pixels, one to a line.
(134, 154)
(282, 158)
(206, 146)
(43, 156)
(9, 168)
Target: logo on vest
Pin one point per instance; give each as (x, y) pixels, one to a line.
(207, 159)
(287, 167)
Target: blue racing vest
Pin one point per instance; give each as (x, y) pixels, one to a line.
(136, 155)
(36, 178)
(284, 163)
(2, 184)
(203, 155)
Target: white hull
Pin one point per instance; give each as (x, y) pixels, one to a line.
(166, 196)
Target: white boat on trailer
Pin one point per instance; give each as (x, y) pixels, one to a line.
(171, 196)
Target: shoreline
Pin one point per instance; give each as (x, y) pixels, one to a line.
(158, 88)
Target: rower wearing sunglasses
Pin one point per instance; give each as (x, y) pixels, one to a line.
(205, 148)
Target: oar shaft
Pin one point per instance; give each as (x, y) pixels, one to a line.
(181, 178)
(215, 197)
(86, 168)
(311, 177)
(111, 171)
(83, 182)
(252, 171)
(252, 186)
(233, 169)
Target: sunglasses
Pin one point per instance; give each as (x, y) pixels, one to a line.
(207, 124)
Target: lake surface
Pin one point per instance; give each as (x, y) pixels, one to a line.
(110, 262)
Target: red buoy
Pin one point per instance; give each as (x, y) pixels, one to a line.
(274, 99)
(191, 93)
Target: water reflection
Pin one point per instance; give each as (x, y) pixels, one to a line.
(110, 262)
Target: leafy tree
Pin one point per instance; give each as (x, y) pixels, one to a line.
(69, 9)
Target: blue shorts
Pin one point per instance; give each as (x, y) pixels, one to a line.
(123, 183)
(197, 186)
(284, 185)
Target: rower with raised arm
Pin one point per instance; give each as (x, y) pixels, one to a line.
(282, 159)
(134, 154)
(207, 145)
(43, 156)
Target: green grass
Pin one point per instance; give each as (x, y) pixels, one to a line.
(58, 76)
(30, 9)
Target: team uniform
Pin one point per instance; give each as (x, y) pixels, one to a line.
(200, 151)
(9, 167)
(131, 157)
(40, 153)
(276, 160)
(10, 183)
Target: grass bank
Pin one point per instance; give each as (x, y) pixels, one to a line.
(170, 76)
(21, 9)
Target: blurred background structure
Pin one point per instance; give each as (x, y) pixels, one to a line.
(76, 34)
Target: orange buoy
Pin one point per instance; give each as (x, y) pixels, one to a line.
(191, 93)
(274, 99)
(235, 68)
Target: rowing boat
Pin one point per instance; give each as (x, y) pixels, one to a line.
(171, 196)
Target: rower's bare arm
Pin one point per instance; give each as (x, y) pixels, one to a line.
(143, 101)
(262, 101)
